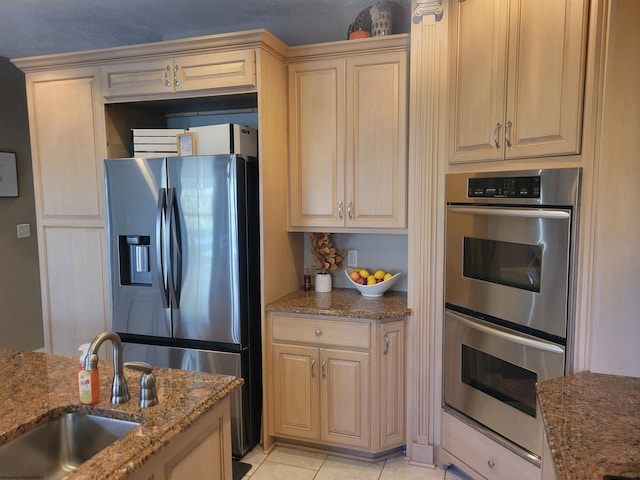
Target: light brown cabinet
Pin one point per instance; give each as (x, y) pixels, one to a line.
(516, 79)
(184, 73)
(337, 382)
(67, 131)
(348, 136)
(201, 451)
(482, 455)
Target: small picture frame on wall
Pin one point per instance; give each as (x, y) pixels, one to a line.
(8, 175)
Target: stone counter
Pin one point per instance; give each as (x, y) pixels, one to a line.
(38, 387)
(343, 302)
(592, 423)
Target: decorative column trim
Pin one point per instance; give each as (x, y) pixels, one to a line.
(427, 7)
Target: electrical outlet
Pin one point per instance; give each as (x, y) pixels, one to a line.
(352, 258)
(24, 230)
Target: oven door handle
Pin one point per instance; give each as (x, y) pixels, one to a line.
(498, 332)
(512, 212)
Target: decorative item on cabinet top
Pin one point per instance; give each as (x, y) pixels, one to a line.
(384, 17)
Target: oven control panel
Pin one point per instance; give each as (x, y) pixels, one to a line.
(504, 187)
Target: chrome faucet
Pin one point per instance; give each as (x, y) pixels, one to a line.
(119, 389)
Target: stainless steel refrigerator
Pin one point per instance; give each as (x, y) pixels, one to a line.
(185, 276)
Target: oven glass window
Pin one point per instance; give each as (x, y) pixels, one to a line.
(512, 264)
(502, 380)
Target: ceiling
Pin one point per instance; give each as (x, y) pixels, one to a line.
(42, 27)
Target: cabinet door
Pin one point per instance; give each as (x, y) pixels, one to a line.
(477, 80)
(295, 391)
(392, 385)
(376, 141)
(545, 78)
(316, 139)
(215, 70)
(345, 398)
(68, 143)
(143, 77)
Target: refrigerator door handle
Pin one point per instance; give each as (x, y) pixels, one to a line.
(175, 253)
(160, 213)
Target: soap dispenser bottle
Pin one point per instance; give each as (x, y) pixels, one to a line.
(88, 380)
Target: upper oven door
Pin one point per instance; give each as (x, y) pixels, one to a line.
(511, 263)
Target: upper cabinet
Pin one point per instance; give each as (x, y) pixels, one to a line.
(181, 74)
(517, 78)
(348, 135)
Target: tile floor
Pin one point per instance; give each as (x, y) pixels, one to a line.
(290, 464)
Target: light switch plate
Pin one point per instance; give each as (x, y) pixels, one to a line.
(352, 258)
(24, 230)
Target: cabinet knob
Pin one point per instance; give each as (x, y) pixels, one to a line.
(318, 333)
(491, 463)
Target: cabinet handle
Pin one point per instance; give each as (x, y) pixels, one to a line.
(386, 344)
(340, 210)
(491, 463)
(313, 367)
(349, 208)
(496, 135)
(176, 82)
(167, 83)
(507, 134)
(318, 332)
(324, 366)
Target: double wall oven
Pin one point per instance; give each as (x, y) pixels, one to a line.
(509, 251)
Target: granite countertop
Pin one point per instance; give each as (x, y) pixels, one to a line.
(38, 387)
(592, 423)
(343, 302)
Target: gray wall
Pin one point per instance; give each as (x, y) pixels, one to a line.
(20, 304)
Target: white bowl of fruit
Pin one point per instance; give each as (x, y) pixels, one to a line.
(371, 284)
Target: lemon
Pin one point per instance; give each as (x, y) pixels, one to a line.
(371, 280)
(364, 273)
(387, 276)
(379, 274)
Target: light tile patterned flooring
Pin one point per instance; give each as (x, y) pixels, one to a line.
(290, 464)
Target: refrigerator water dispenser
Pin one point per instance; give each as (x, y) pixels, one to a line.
(134, 260)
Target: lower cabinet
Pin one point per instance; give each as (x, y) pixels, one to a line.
(202, 451)
(480, 456)
(337, 383)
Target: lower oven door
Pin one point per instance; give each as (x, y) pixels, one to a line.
(490, 374)
(511, 263)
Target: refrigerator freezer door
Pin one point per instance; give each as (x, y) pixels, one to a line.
(211, 362)
(210, 282)
(133, 187)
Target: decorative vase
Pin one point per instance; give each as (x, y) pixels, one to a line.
(323, 282)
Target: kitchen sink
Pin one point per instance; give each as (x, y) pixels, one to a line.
(53, 450)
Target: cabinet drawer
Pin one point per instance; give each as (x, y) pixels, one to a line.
(321, 332)
(485, 456)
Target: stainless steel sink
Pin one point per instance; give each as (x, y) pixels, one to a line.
(53, 450)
